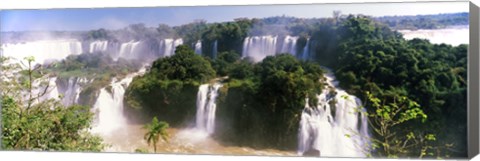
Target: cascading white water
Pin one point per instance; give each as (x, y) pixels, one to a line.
(306, 51)
(206, 107)
(71, 90)
(198, 47)
(98, 46)
(167, 46)
(43, 51)
(176, 43)
(109, 106)
(289, 45)
(127, 50)
(51, 90)
(258, 47)
(215, 49)
(338, 134)
(43, 89)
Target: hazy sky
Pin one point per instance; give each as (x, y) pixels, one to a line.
(114, 18)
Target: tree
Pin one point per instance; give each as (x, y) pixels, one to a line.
(32, 121)
(390, 140)
(165, 31)
(155, 130)
(185, 65)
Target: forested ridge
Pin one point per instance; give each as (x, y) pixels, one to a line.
(437, 21)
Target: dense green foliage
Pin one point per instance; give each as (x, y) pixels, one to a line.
(31, 123)
(185, 66)
(169, 89)
(47, 127)
(260, 103)
(97, 34)
(262, 108)
(90, 65)
(266, 97)
(229, 36)
(96, 67)
(368, 56)
(191, 32)
(387, 120)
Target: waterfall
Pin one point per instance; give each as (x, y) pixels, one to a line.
(52, 90)
(109, 106)
(177, 42)
(198, 47)
(167, 46)
(98, 46)
(306, 51)
(128, 50)
(43, 51)
(206, 107)
(258, 47)
(44, 88)
(215, 49)
(71, 89)
(325, 127)
(289, 45)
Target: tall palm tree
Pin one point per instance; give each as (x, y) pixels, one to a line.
(155, 130)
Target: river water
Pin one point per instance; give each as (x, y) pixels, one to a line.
(453, 35)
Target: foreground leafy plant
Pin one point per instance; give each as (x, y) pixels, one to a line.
(391, 140)
(32, 122)
(156, 130)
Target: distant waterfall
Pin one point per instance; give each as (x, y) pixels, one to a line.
(51, 90)
(259, 47)
(306, 50)
(98, 46)
(206, 107)
(109, 105)
(44, 88)
(43, 51)
(198, 47)
(167, 46)
(215, 49)
(176, 43)
(128, 49)
(325, 127)
(71, 89)
(289, 45)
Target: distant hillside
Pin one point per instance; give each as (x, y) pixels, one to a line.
(425, 21)
(276, 25)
